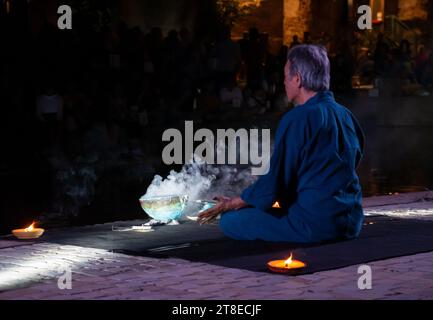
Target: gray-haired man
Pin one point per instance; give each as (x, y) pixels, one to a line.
(318, 147)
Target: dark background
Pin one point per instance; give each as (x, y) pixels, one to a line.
(126, 59)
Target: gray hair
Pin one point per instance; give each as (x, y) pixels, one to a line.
(312, 63)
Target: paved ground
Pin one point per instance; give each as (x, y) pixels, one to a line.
(33, 271)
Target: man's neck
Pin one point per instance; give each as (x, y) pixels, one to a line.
(304, 96)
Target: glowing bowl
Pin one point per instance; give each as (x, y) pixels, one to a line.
(164, 208)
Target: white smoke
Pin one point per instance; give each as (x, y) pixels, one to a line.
(229, 181)
(200, 181)
(189, 181)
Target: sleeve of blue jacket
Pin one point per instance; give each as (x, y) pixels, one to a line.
(283, 165)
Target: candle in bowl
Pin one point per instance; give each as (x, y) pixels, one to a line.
(28, 233)
(285, 266)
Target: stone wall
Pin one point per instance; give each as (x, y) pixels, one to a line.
(297, 19)
(413, 10)
(267, 17)
(418, 15)
(322, 20)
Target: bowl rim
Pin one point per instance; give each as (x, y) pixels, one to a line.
(143, 199)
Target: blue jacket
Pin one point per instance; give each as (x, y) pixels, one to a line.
(318, 146)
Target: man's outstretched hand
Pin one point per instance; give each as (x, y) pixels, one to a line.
(223, 205)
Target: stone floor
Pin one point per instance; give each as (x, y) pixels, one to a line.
(35, 270)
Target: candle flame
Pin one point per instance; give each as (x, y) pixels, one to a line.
(288, 262)
(276, 205)
(30, 228)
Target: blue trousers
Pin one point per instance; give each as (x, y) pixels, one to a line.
(254, 224)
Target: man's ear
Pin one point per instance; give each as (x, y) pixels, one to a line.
(299, 80)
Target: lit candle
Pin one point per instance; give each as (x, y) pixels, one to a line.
(28, 233)
(284, 266)
(276, 205)
(380, 16)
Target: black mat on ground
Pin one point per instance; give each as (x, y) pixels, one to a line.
(382, 238)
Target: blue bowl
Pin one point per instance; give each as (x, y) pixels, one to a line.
(164, 208)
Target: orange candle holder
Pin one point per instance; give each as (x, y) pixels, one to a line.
(286, 266)
(28, 233)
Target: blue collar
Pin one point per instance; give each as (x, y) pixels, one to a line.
(320, 96)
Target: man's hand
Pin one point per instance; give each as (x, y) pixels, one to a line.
(224, 204)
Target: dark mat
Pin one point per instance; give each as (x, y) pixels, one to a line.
(382, 238)
(103, 237)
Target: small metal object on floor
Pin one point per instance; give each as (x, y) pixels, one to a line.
(141, 228)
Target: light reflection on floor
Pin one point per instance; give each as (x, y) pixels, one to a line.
(420, 210)
(21, 270)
